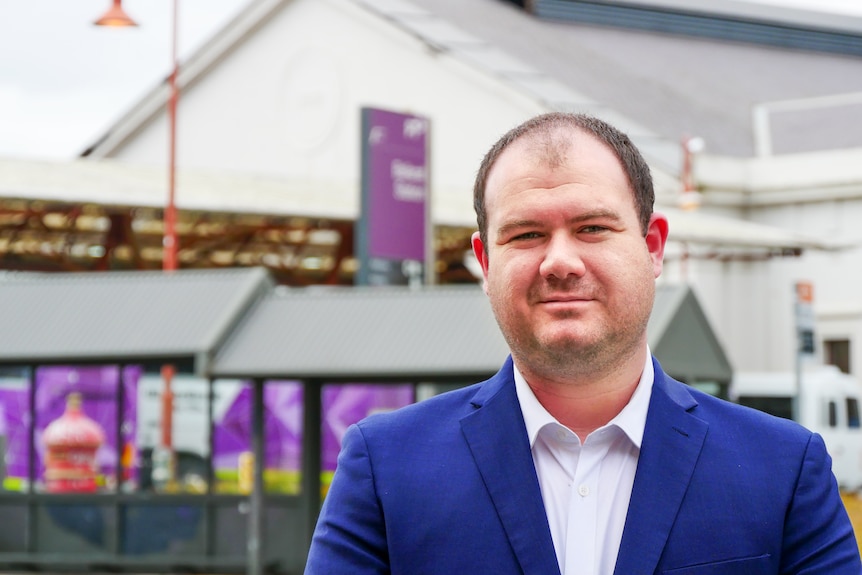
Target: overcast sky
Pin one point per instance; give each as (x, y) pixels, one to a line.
(63, 81)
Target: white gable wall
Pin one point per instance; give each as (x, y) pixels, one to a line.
(287, 102)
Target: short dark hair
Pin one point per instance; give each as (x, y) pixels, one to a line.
(633, 164)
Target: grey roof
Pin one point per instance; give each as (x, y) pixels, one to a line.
(366, 333)
(236, 323)
(657, 86)
(676, 85)
(681, 338)
(122, 316)
(434, 332)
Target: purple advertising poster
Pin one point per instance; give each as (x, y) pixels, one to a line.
(392, 232)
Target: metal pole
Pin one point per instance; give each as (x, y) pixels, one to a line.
(311, 457)
(256, 520)
(170, 244)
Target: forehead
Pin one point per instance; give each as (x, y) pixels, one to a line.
(556, 158)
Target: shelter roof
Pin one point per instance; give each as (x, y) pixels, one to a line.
(366, 333)
(681, 337)
(442, 331)
(237, 323)
(122, 316)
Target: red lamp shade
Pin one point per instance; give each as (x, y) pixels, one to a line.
(115, 17)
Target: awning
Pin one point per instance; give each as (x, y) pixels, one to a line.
(123, 317)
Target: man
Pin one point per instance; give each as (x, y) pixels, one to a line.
(580, 456)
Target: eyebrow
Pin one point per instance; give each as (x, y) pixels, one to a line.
(526, 223)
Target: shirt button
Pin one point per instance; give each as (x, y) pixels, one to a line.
(583, 490)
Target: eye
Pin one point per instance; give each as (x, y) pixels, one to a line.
(526, 236)
(592, 229)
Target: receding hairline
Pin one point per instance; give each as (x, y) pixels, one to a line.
(551, 144)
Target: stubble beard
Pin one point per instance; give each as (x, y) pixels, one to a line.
(586, 352)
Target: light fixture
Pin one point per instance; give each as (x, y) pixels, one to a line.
(690, 198)
(115, 17)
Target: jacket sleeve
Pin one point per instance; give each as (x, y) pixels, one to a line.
(818, 536)
(350, 536)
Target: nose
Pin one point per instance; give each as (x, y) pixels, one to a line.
(562, 258)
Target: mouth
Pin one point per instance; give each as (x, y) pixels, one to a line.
(563, 303)
(563, 298)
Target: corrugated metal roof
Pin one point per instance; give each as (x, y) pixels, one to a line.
(122, 316)
(366, 332)
(677, 85)
(235, 323)
(372, 332)
(741, 25)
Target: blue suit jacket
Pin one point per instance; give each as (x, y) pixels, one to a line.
(447, 486)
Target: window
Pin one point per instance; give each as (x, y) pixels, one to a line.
(778, 406)
(833, 414)
(838, 353)
(852, 412)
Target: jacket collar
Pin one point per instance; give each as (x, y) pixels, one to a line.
(497, 437)
(673, 440)
(672, 443)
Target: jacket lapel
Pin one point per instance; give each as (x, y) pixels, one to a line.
(672, 443)
(497, 437)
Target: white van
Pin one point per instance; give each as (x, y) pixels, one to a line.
(829, 403)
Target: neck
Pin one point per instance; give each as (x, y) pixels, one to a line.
(585, 404)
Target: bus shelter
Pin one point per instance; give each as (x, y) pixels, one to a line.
(266, 379)
(103, 336)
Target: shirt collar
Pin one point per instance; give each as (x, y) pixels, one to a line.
(631, 420)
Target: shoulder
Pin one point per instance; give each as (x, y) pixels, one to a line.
(732, 422)
(448, 405)
(446, 409)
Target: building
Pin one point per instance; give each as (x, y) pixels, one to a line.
(269, 138)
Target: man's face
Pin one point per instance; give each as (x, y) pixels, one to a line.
(568, 271)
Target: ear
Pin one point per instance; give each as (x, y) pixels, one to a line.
(656, 238)
(481, 256)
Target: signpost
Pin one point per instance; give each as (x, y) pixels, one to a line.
(805, 348)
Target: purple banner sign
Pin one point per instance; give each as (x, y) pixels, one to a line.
(392, 231)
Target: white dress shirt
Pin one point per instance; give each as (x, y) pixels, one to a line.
(586, 487)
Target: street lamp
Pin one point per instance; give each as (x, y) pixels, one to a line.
(690, 198)
(117, 17)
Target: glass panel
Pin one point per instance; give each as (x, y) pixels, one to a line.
(283, 408)
(232, 436)
(172, 530)
(778, 406)
(15, 425)
(13, 537)
(75, 528)
(711, 387)
(344, 405)
(852, 412)
(233, 459)
(76, 426)
(231, 530)
(285, 537)
(182, 466)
